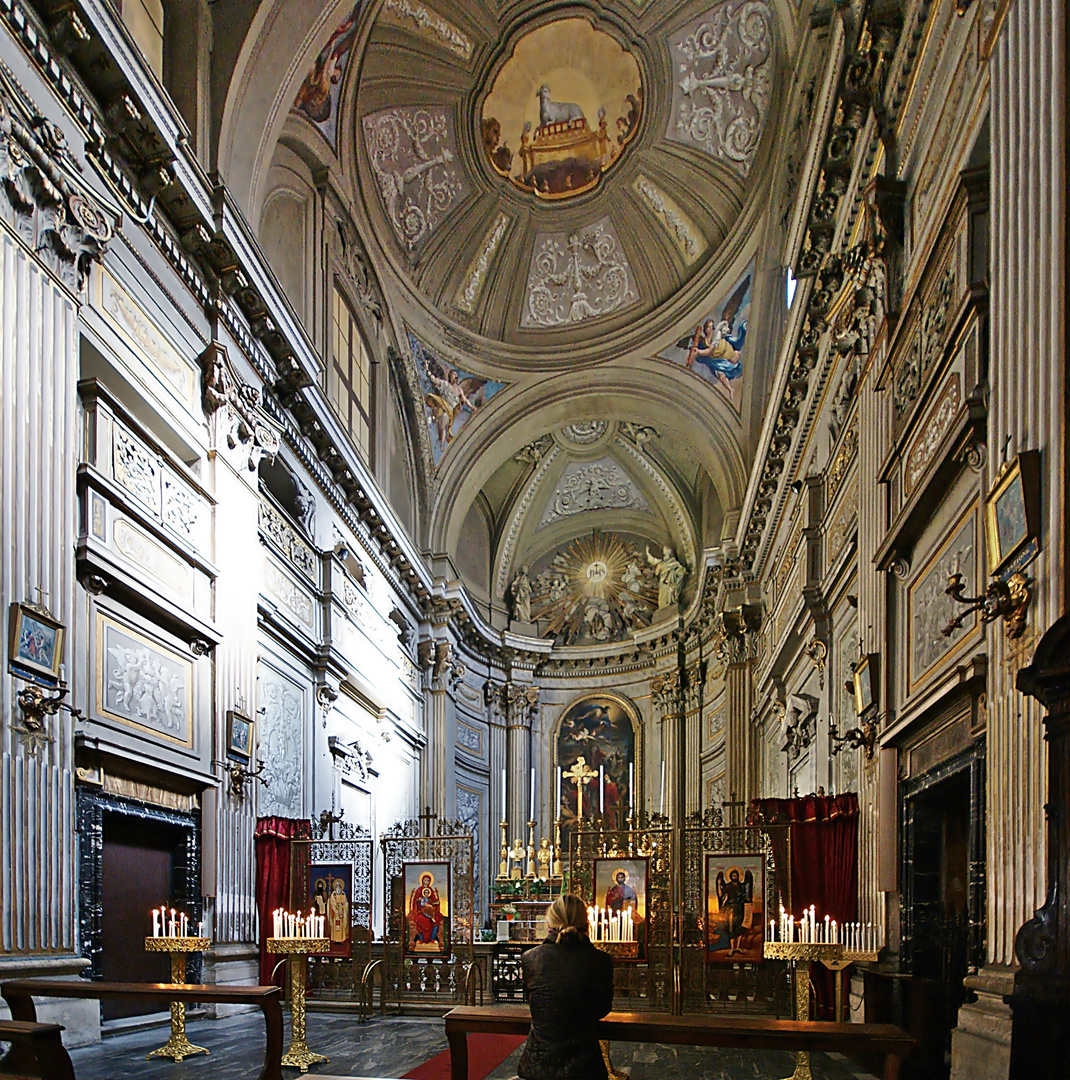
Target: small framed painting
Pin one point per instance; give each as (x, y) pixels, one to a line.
(621, 885)
(865, 677)
(735, 909)
(239, 735)
(330, 887)
(427, 908)
(36, 643)
(1012, 515)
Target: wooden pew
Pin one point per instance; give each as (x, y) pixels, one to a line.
(747, 1032)
(41, 1042)
(19, 995)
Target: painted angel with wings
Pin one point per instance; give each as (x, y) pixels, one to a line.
(734, 894)
(450, 395)
(718, 344)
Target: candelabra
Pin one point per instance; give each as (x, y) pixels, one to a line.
(177, 1046)
(863, 737)
(240, 775)
(1007, 599)
(800, 954)
(531, 852)
(299, 1056)
(37, 704)
(503, 865)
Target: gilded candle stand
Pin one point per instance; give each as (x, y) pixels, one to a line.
(801, 955)
(296, 949)
(177, 1046)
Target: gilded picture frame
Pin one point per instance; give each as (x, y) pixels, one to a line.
(239, 735)
(1012, 515)
(865, 678)
(36, 643)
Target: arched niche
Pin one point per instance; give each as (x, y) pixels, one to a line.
(605, 729)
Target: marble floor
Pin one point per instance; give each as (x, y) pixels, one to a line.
(393, 1046)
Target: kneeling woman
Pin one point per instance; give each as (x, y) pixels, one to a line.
(569, 985)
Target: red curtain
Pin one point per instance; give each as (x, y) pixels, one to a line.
(273, 836)
(824, 863)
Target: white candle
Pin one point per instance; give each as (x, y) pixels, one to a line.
(155, 923)
(601, 789)
(557, 809)
(631, 787)
(662, 809)
(531, 816)
(503, 796)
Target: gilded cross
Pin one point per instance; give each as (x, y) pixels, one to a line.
(582, 774)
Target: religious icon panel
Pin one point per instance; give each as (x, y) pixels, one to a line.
(330, 887)
(735, 908)
(427, 908)
(621, 888)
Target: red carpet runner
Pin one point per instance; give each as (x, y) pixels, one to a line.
(485, 1054)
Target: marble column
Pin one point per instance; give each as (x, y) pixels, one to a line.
(521, 707)
(440, 772)
(667, 692)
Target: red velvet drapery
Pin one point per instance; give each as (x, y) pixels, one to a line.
(273, 837)
(824, 863)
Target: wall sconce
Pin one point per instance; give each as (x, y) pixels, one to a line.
(1008, 600)
(240, 775)
(863, 737)
(37, 704)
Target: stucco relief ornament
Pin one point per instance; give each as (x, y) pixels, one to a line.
(577, 276)
(234, 408)
(413, 157)
(720, 101)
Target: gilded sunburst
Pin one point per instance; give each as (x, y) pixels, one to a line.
(596, 589)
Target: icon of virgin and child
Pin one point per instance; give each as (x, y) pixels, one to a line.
(427, 923)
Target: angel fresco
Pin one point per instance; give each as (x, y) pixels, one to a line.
(450, 396)
(714, 349)
(316, 96)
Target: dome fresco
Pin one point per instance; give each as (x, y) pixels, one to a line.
(561, 109)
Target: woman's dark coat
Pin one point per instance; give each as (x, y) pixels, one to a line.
(569, 988)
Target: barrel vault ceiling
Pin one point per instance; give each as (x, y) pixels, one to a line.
(571, 212)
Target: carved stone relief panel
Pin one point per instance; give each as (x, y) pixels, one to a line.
(723, 62)
(593, 485)
(280, 742)
(930, 608)
(275, 527)
(279, 587)
(143, 684)
(470, 815)
(470, 739)
(577, 276)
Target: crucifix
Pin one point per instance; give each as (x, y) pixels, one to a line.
(426, 819)
(582, 774)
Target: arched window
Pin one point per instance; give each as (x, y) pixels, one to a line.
(349, 376)
(144, 20)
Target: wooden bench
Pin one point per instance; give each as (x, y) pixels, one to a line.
(43, 1046)
(747, 1032)
(19, 995)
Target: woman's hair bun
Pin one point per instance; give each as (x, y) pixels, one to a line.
(567, 917)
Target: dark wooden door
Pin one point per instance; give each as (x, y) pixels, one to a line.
(137, 876)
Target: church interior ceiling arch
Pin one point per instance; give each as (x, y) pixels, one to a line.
(564, 211)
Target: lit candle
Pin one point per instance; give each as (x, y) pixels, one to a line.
(503, 796)
(531, 816)
(827, 927)
(772, 930)
(835, 933)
